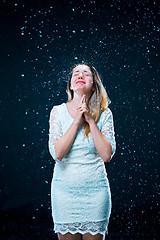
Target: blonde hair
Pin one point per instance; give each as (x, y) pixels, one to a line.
(99, 99)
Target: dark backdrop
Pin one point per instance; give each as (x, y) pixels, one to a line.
(39, 41)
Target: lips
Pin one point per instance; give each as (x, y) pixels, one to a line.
(80, 81)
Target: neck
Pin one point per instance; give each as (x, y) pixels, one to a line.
(77, 97)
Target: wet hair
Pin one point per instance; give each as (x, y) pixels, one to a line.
(98, 100)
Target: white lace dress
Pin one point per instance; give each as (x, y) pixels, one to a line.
(80, 191)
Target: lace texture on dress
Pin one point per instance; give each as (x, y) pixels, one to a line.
(55, 131)
(108, 129)
(89, 227)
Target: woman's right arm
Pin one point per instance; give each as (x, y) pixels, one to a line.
(63, 145)
(60, 144)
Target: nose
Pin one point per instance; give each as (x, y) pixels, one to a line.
(80, 75)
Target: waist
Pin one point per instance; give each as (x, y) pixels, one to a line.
(80, 173)
(81, 184)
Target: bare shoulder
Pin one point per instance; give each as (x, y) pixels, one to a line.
(69, 104)
(71, 109)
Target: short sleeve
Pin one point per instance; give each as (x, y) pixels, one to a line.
(108, 129)
(55, 131)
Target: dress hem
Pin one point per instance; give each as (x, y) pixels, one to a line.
(100, 227)
(82, 232)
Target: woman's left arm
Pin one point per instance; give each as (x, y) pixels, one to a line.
(102, 145)
(104, 140)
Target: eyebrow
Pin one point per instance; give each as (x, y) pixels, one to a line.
(84, 71)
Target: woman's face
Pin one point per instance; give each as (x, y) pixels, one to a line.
(82, 79)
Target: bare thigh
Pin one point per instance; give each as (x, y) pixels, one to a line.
(69, 236)
(88, 236)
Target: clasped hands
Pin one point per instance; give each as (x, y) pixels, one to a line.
(83, 111)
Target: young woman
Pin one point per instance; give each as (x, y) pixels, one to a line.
(81, 140)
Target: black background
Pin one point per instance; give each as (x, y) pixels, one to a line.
(40, 41)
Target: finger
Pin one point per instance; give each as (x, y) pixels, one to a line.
(83, 99)
(79, 107)
(82, 105)
(83, 109)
